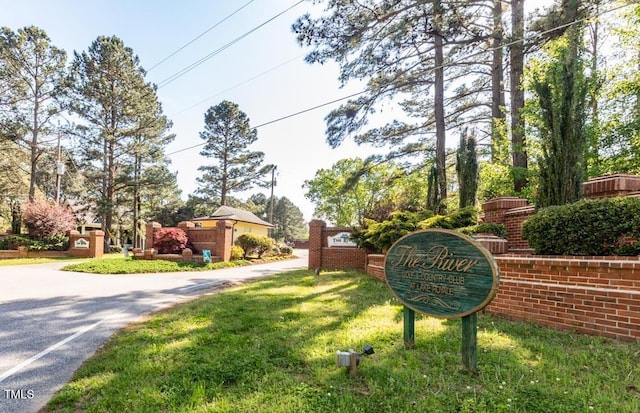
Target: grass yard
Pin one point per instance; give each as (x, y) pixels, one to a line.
(270, 346)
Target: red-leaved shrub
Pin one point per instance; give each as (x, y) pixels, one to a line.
(46, 219)
(170, 240)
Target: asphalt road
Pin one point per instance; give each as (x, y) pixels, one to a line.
(51, 320)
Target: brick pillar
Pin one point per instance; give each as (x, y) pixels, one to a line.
(151, 227)
(224, 239)
(495, 209)
(316, 230)
(87, 246)
(96, 244)
(608, 186)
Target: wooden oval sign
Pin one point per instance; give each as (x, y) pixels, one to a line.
(441, 273)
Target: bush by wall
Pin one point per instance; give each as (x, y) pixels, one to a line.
(237, 253)
(380, 236)
(254, 244)
(499, 230)
(170, 240)
(59, 242)
(588, 227)
(45, 219)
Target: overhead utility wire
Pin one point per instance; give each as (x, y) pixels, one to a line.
(199, 36)
(280, 119)
(238, 84)
(192, 66)
(443, 65)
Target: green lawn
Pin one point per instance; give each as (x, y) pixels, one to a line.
(27, 261)
(270, 346)
(137, 266)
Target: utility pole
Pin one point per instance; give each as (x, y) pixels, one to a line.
(273, 183)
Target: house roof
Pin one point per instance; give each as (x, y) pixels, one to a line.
(235, 214)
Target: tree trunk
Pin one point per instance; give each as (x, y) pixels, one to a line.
(439, 106)
(518, 142)
(498, 115)
(34, 150)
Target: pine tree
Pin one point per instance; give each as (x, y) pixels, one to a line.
(122, 127)
(235, 168)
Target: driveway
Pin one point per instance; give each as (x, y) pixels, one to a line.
(51, 320)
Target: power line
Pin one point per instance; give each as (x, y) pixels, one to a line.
(280, 118)
(238, 84)
(192, 66)
(199, 36)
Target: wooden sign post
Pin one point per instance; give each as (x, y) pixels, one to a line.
(445, 274)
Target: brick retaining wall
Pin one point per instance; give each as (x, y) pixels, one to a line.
(598, 296)
(591, 295)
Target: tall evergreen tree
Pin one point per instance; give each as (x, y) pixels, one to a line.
(467, 169)
(32, 72)
(288, 220)
(122, 125)
(235, 168)
(561, 89)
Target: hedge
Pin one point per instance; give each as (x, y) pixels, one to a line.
(588, 227)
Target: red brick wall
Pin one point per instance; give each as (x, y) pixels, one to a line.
(598, 296)
(343, 258)
(321, 256)
(608, 186)
(513, 220)
(375, 266)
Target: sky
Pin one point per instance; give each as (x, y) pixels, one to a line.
(248, 55)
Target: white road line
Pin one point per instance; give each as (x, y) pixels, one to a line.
(52, 348)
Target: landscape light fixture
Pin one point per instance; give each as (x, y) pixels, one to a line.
(351, 359)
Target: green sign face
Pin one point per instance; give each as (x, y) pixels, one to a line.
(441, 273)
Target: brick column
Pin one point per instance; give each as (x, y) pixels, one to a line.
(495, 209)
(86, 246)
(224, 239)
(316, 229)
(151, 227)
(96, 244)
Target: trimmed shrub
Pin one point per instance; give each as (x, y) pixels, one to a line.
(254, 244)
(499, 230)
(587, 227)
(46, 219)
(380, 236)
(461, 218)
(237, 253)
(59, 242)
(286, 249)
(170, 240)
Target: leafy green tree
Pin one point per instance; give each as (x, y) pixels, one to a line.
(355, 189)
(618, 143)
(33, 72)
(235, 168)
(120, 119)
